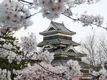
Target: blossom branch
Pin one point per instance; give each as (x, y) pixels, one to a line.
(7, 49)
(33, 14)
(78, 19)
(50, 71)
(25, 1)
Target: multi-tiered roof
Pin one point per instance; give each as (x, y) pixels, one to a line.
(57, 33)
(60, 39)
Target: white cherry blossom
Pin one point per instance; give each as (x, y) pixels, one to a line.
(13, 14)
(29, 43)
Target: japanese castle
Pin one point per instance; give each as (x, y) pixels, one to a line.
(59, 40)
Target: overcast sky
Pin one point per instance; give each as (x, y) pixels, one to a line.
(40, 24)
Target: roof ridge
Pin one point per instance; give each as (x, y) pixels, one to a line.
(68, 29)
(56, 26)
(59, 28)
(63, 26)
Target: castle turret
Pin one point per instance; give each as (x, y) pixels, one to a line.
(57, 35)
(60, 39)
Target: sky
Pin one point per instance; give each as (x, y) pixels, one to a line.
(40, 24)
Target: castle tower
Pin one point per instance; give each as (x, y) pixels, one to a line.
(59, 38)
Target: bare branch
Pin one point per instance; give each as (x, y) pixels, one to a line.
(33, 14)
(25, 1)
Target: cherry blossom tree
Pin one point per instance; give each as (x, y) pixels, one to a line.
(15, 56)
(16, 13)
(44, 71)
(22, 61)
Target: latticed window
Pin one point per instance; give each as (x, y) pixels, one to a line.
(57, 37)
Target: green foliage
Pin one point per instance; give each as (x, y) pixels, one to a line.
(7, 38)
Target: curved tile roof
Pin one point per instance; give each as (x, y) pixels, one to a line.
(59, 28)
(57, 41)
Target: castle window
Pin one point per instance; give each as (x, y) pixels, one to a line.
(57, 37)
(51, 29)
